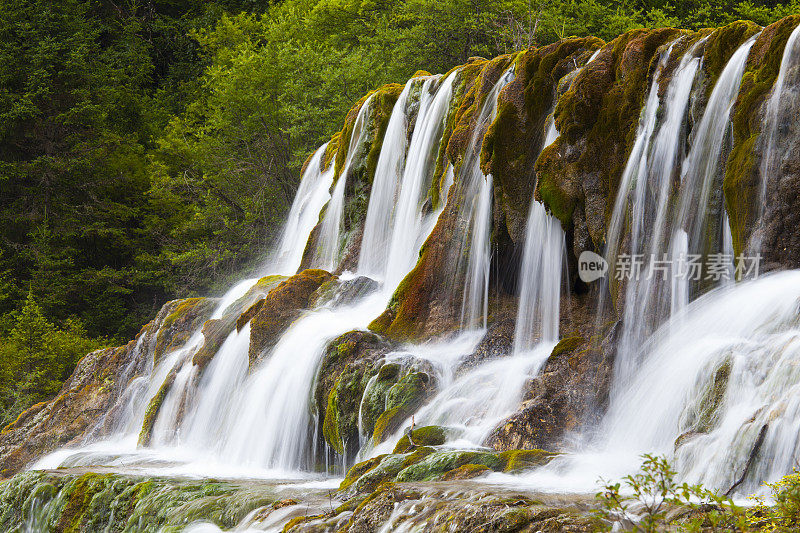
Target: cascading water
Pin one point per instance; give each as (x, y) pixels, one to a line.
(262, 419)
(709, 379)
(539, 299)
(311, 196)
(718, 384)
(772, 155)
(404, 242)
(715, 386)
(472, 403)
(649, 173)
(476, 254)
(388, 172)
(329, 245)
(702, 173)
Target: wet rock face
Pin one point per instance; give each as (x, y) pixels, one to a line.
(281, 307)
(360, 174)
(571, 391)
(86, 403)
(350, 361)
(498, 342)
(360, 394)
(515, 138)
(743, 174)
(780, 240)
(337, 293)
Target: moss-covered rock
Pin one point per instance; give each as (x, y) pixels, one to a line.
(427, 462)
(515, 138)
(282, 305)
(742, 180)
(437, 464)
(424, 436)
(596, 119)
(236, 315)
(183, 319)
(349, 363)
(523, 459)
(335, 293)
(154, 407)
(76, 502)
(570, 392)
(402, 400)
(89, 401)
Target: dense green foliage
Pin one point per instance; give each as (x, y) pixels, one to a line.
(36, 358)
(150, 149)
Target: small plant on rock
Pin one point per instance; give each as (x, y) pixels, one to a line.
(653, 501)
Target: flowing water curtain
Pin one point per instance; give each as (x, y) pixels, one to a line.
(410, 226)
(716, 383)
(778, 105)
(329, 245)
(700, 225)
(474, 259)
(313, 193)
(227, 425)
(385, 185)
(642, 206)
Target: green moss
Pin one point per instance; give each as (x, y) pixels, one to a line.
(566, 345)
(438, 463)
(600, 110)
(373, 402)
(522, 459)
(388, 469)
(386, 421)
(189, 309)
(79, 494)
(742, 180)
(358, 470)
(515, 137)
(64, 502)
(408, 392)
(341, 415)
(469, 471)
(185, 306)
(402, 399)
(424, 436)
(721, 45)
(348, 366)
(146, 433)
(711, 399)
(330, 151)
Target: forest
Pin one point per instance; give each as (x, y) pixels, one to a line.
(150, 149)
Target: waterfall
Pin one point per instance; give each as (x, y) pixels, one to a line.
(771, 153)
(705, 372)
(329, 245)
(312, 194)
(716, 382)
(476, 210)
(471, 404)
(388, 172)
(649, 173)
(272, 422)
(540, 274)
(404, 242)
(703, 170)
(228, 418)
